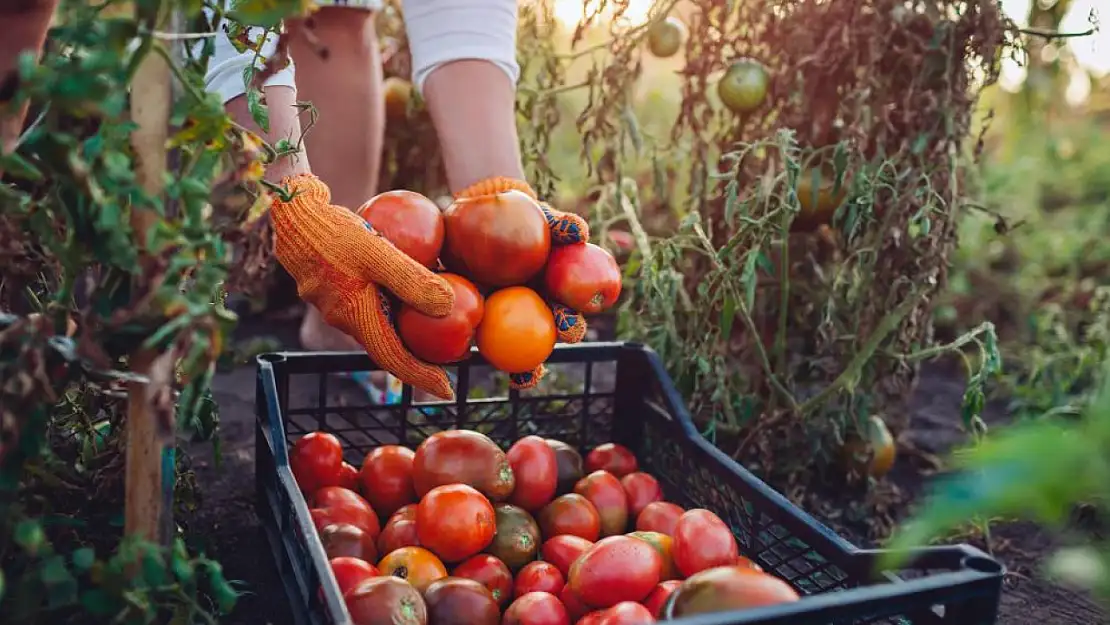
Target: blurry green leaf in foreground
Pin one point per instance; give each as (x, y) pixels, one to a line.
(1036, 471)
(267, 13)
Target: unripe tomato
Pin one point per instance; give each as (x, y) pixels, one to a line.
(344, 540)
(460, 601)
(398, 93)
(665, 37)
(744, 86)
(386, 601)
(316, 461)
(570, 514)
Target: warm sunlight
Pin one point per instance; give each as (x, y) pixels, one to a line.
(570, 11)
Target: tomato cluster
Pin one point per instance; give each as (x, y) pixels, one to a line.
(496, 253)
(463, 532)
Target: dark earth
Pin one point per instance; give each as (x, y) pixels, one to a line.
(226, 526)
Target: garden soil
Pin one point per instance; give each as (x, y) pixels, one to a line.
(226, 527)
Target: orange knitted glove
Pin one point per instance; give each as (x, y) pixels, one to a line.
(566, 229)
(339, 261)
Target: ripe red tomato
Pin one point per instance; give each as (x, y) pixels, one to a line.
(626, 613)
(665, 546)
(703, 541)
(462, 457)
(536, 608)
(605, 492)
(538, 576)
(397, 534)
(408, 220)
(575, 608)
(615, 569)
(491, 573)
(386, 478)
(654, 601)
(345, 540)
(616, 459)
(348, 477)
(583, 277)
(563, 550)
(444, 340)
(593, 618)
(659, 516)
(455, 522)
(641, 489)
(536, 470)
(570, 514)
(343, 505)
(350, 572)
(386, 599)
(316, 461)
(498, 240)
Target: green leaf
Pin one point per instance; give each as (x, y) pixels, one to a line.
(15, 165)
(266, 13)
(728, 317)
(749, 278)
(84, 558)
(259, 112)
(97, 602)
(29, 535)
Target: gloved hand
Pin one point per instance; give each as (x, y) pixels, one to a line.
(339, 263)
(566, 229)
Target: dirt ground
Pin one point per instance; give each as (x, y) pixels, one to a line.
(227, 528)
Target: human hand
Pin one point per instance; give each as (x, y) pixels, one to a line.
(340, 264)
(566, 229)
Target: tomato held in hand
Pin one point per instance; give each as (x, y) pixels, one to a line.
(536, 471)
(443, 340)
(607, 495)
(455, 522)
(641, 489)
(570, 514)
(489, 572)
(703, 541)
(386, 601)
(563, 550)
(386, 478)
(416, 565)
(658, 597)
(616, 459)
(350, 572)
(460, 601)
(408, 220)
(659, 516)
(615, 569)
(538, 577)
(536, 608)
(584, 277)
(462, 457)
(316, 461)
(517, 332)
(497, 240)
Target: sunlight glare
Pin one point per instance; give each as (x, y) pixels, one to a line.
(570, 11)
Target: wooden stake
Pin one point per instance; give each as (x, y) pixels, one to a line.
(146, 514)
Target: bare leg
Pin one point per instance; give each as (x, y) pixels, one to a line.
(25, 23)
(344, 84)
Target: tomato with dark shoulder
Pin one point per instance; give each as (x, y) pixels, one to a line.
(386, 601)
(612, 457)
(345, 540)
(536, 608)
(408, 220)
(641, 489)
(516, 538)
(538, 576)
(615, 569)
(386, 478)
(659, 516)
(498, 240)
(461, 601)
(570, 514)
(455, 521)
(489, 572)
(416, 565)
(563, 550)
(605, 492)
(536, 470)
(664, 545)
(316, 461)
(462, 457)
(703, 541)
(570, 465)
(726, 588)
(350, 572)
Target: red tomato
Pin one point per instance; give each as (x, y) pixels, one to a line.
(605, 492)
(455, 522)
(343, 505)
(398, 534)
(538, 577)
(536, 470)
(536, 608)
(659, 516)
(570, 514)
(654, 601)
(348, 477)
(386, 478)
(344, 540)
(316, 460)
(593, 618)
(563, 550)
(703, 541)
(626, 613)
(615, 569)
(489, 572)
(575, 608)
(616, 459)
(583, 277)
(350, 571)
(641, 489)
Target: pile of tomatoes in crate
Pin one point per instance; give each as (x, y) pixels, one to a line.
(496, 253)
(534, 536)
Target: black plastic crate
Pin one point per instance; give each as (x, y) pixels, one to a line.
(596, 393)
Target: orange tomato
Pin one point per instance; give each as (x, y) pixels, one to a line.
(416, 565)
(517, 333)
